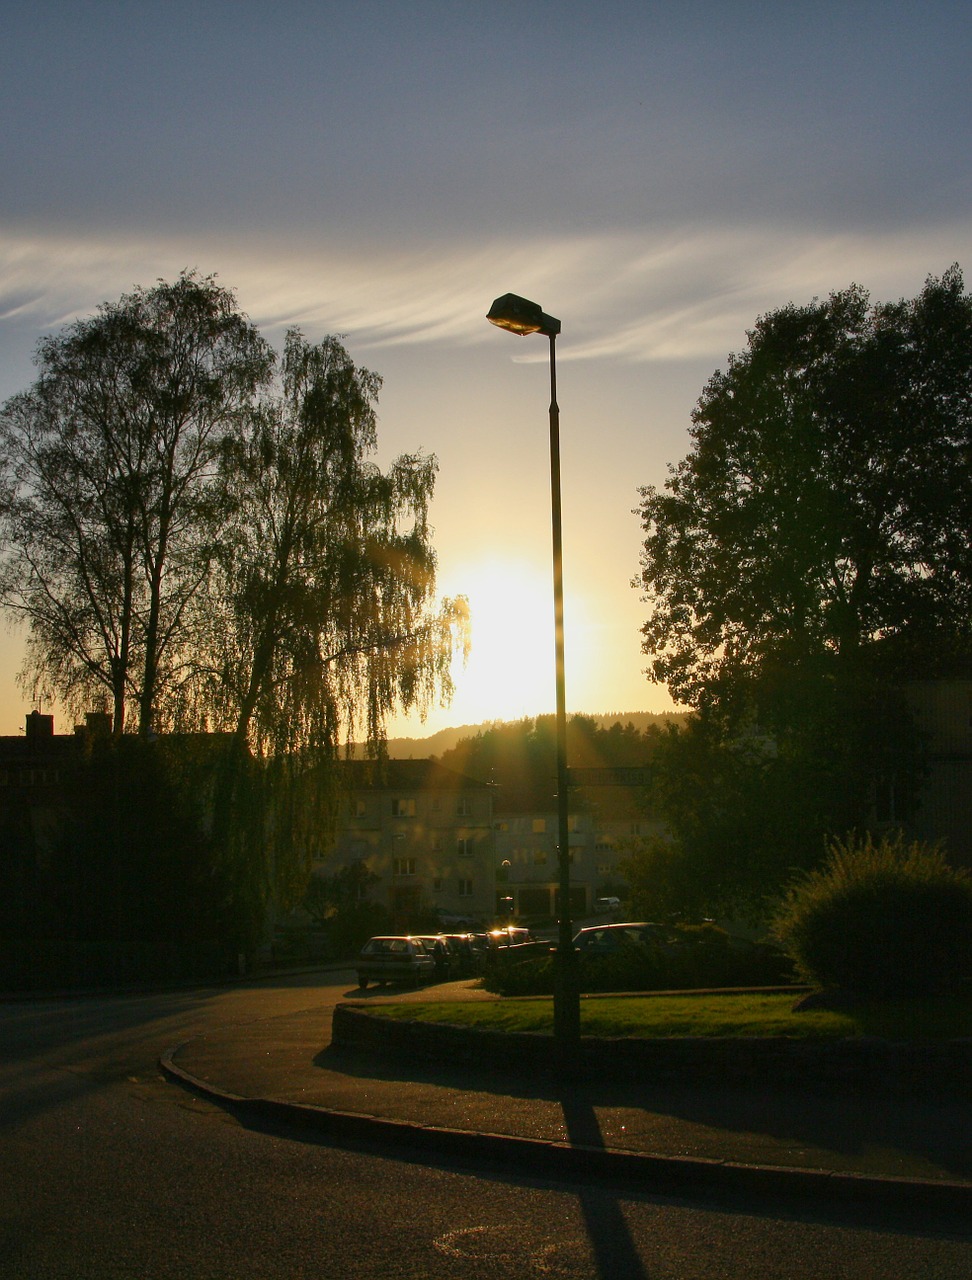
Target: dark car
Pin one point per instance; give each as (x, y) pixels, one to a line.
(510, 935)
(605, 939)
(470, 957)
(394, 959)
(445, 955)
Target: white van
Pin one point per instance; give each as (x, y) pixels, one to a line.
(606, 904)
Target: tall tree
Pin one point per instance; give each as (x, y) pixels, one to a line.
(813, 541)
(190, 523)
(322, 614)
(112, 490)
(826, 502)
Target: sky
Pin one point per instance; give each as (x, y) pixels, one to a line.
(655, 175)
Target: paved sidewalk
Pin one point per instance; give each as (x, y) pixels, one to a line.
(897, 1151)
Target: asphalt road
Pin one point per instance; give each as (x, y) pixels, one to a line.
(108, 1170)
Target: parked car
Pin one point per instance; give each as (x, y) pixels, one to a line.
(508, 936)
(603, 905)
(604, 939)
(471, 958)
(445, 955)
(394, 959)
(450, 920)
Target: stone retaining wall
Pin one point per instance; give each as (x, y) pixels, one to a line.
(864, 1065)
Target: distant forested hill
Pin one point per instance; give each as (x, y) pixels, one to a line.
(446, 739)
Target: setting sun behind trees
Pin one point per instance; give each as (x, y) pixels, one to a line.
(510, 671)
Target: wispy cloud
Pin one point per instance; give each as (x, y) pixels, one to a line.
(632, 297)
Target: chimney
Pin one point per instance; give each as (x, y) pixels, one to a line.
(98, 724)
(39, 727)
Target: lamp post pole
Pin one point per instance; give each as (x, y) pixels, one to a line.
(521, 317)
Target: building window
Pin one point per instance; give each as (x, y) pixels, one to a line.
(403, 866)
(437, 884)
(463, 808)
(573, 824)
(539, 857)
(465, 888)
(539, 826)
(436, 844)
(360, 808)
(464, 847)
(403, 807)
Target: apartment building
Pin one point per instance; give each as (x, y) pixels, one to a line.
(438, 839)
(606, 808)
(424, 830)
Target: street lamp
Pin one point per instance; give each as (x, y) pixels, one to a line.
(520, 316)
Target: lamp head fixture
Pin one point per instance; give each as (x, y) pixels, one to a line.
(520, 316)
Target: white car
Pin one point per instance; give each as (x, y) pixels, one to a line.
(395, 959)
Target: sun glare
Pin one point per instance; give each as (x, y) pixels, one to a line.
(510, 672)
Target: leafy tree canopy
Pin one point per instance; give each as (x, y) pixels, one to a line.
(813, 543)
(347, 889)
(321, 611)
(192, 524)
(519, 757)
(826, 502)
(110, 500)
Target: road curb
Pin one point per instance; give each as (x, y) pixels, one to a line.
(635, 1170)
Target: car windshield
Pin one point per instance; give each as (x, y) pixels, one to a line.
(386, 946)
(617, 935)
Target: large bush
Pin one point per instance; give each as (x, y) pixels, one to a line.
(880, 919)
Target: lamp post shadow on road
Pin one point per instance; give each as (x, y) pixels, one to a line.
(520, 316)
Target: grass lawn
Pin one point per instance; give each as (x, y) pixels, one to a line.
(943, 1018)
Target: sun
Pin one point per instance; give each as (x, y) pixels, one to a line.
(510, 671)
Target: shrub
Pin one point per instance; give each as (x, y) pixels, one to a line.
(880, 919)
(706, 956)
(532, 977)
(630, 968)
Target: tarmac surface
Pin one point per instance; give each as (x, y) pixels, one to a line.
(912, 1154)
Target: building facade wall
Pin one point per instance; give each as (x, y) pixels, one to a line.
(448, 843)
(427, 835)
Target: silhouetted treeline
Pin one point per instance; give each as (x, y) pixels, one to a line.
(519, 757)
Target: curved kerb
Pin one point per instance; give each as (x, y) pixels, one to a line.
(680, 1175)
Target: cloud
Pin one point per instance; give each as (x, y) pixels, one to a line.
(656, 295)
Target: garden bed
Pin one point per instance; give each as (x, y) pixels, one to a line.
(870, 1064)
